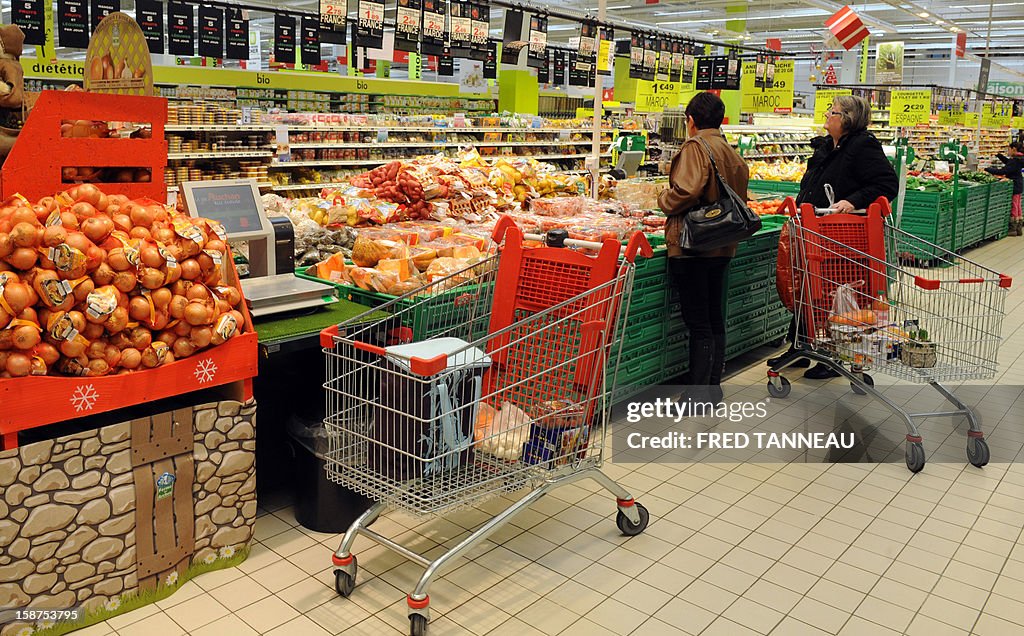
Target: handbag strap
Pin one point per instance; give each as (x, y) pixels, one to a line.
(714, 166)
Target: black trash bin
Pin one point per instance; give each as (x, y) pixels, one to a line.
(320, 504)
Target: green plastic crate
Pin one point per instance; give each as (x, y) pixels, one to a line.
(745, 303)
(774, 187)
(654, 267)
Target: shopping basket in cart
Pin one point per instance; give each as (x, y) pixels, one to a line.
(859, 305)
(510, 389)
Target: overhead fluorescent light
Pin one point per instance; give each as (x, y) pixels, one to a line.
(923, 14)
(620, 6)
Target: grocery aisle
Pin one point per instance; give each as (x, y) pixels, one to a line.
(732, 549)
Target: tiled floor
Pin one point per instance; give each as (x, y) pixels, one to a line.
(732, 549)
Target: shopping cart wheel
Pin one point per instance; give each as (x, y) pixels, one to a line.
(417, 625)
(915, 456)
(626, 526)
(977, 451)
(344, 582)
(866, 379)
(780, 391)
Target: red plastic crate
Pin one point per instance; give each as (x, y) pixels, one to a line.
(33, 168)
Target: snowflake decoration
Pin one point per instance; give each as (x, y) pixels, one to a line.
(205, 370)
(84, 398)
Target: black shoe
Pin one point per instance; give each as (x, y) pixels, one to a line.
(821, 372)
(801, 363)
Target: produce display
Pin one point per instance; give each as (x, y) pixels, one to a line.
(94, 284)
(777, 171)
(770, 206)
(929, 181)
(979, 177)
(88, 129)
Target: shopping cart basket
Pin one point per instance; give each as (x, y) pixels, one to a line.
(923, 326)
(511, 390)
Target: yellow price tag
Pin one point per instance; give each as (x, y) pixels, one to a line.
(953, 116)
(652, 97)
(995, 115)
(772, 99)
(910, 108)
(1018, 123)
(823, 102)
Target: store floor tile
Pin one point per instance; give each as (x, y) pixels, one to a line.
(786, 549)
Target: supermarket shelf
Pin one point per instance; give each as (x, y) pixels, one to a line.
(777, 155)
(436, 129)
(253, 154)
(451, 144)
(377, 162)
(305, 186)
(259, 184)
(217, 128)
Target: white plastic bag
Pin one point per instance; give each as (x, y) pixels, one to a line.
(502, 432)
(845, 301)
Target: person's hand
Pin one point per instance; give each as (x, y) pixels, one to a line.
(990, 169)
(843, 206)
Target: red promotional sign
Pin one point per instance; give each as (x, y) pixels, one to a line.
(774, 44)
(847, 28)
(961, 44)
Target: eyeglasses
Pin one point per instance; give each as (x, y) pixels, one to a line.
(835, 112)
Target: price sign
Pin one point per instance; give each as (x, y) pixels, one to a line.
(823, 102)
(653, 97)
(996, 115)
(370, 26)
(952, 115)
(407, 26)
(432, 42)
(333, 16)
(776, 97)
(910, 108)
(538, 41)
(1018, 123)
(971, 120)
(636, 56)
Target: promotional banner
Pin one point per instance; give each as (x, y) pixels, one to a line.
(150, 16)
(732, 74)
(606, 52)
(636, 55)
(333, 21)
(961, 44)
(889, 63)
(480, 28)
(996, 115)
(909, 107)
(446, 63)
(512, 40)
(544, 72)
(370, 26)
(181, 29)
(491, 64)
(558, 67)
(719, 72)
(471, 77)
(118, 61)
(823, 100)
(847, 28)
(73, 23)
(664, 59)
(237, 46)
(101, 9)
(30, 15)
(703, 81)
(777, 98)
(689, 64)
(434, 32)
(310, 40)
(983, 74)
(408, 22)
(676, 68)
(759, 72)
(652, 97)
(538, 41)
(461, 28)
(952, 114)
(284, 38)
(586, 52)
(211, 31)
(650, 58)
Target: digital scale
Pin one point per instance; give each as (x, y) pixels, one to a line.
(272, 286)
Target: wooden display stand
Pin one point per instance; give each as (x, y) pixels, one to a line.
(34, 167)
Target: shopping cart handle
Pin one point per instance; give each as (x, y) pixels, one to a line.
(883, 205)
(787, 207)
(638, 243)
(502, 226)
(327, 337)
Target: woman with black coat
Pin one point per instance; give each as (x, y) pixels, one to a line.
(851, 160)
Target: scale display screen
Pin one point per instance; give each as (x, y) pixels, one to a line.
(236, 204)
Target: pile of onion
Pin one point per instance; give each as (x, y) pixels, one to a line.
(92, 284)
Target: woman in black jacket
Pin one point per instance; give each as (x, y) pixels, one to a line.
(1012, 168)
(850, 160)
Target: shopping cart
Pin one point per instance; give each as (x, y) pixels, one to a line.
(930, 326)
(496, 378)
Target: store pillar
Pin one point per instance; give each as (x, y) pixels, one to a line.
(518, 92)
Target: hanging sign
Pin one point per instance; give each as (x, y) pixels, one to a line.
(73, 23)
(30, 15)
(118, 59)
(558, 67)
(408, 22)
(719, 72)
(491, 64)
(587, 49)
(606, 52)
(689, 64)
(150, 16)
(952, 114)
(310, 40)
(370, 27)
(284, 38)
(961, 44)
(676, 65)
(704, 70)
(461, 28)
(732, 78)
(512, 40)
(996, 115)
(636, 55)
(237, 46)
(101, 9)
(653, 97)
(446, 63)
(823, 99)
(434, 32)
(181, 29)
(538, 41)
(480, 28)
(759, 70)
(544, 72)
(777, 98)
(889, 63)
(333, 21)
(909, 107)
(211, 31)
(650, 58)
(664, 60)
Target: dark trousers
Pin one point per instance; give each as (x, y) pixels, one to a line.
(700, 283)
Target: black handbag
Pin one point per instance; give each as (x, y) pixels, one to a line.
(714, 225)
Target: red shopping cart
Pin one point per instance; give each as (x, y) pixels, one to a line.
(859, 306)
(493, 379)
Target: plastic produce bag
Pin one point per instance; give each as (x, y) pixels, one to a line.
(786, 280)
(503, 432)
(845, 301)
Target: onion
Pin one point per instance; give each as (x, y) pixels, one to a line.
(95, 350)
(117, 259)
(18, 365)
(84, 210)
(24, 235)
(112, 356)
(190, 269)
(125, 281)
(131, 358)
(151, 278)
(140, 233)
(139, 309)
(177, 307)
(98, 367)
(48, 353)
(141, 337)
(89, 193)
(183, 348)
(171, 274)
(162, 297)
(6, 245)
(201, 337)
(196, 313)
(151, 257)
(54, 235)
(23, 258)
(17, 296)
(69, 220)
(78, 320)
(198, 292)
(164, 235)
(26, 337)
(5, 319)
(73, 348)
(6, 340)
(83, 289)
(161, 320)
(166, 337)
(97, 228)
(142, 216)
(122, 222)
(117, 321)
(93, 330)
(104, 275)
(120, 340)
(80, 242)
(181, 287)
(30, 315)
(24, 215)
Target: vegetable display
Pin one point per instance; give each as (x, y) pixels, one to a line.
(94, 284)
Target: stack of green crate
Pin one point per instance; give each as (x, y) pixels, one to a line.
(972, 200)
(931, 217)
(782, 188)
(643, 329)
(1000, 202)
(750, 293)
